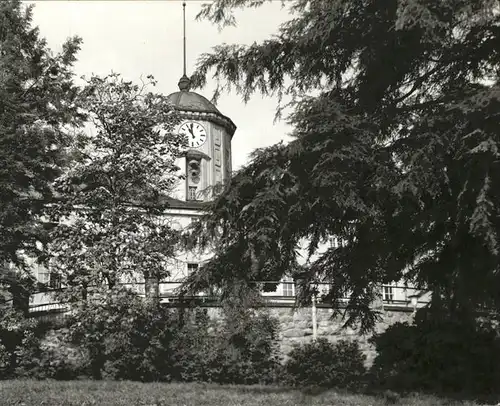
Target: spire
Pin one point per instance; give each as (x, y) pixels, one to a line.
(184, 82)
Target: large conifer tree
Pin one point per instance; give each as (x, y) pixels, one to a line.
(396, 121)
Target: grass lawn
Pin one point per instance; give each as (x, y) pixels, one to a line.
(109, 393)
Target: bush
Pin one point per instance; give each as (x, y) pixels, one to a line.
(15, 333)
(22, 353)
(45, 355)
(125, 337)
(129, 338)
(325, 364)
(438, 356)
(248, 347)
(240, 349)
(194, 349)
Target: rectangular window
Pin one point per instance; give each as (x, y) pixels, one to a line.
(288, 289)
(192, 193)
(334, 242)
(388, 294)
(54, 281)
(192, 267)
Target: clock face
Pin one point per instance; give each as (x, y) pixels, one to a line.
(196, 133)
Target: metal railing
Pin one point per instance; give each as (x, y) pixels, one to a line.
(285, 293)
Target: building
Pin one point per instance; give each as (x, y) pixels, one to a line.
(205, 166)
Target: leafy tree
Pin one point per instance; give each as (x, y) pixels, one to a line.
(37, 106)
(112, 199)
(396, 138)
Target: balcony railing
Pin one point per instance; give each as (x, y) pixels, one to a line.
(285, 293)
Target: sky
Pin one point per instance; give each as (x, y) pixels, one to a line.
(137, 37)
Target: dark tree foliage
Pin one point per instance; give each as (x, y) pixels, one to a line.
(37, 106)
(440, 356)
(395, 108)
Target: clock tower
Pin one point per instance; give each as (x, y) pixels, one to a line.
(207, 161)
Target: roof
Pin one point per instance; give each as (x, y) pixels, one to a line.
(194, 105)
(191, 101)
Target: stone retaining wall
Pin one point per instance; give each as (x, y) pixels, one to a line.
(296, 326)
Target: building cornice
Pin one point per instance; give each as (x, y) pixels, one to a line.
(214, 117)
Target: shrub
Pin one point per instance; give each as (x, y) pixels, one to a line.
(49, 356)
(249, 348)
(438, 356)
(21, 352)
(194, 348)
(15, 330)
(4, 358)
(325, 364)
(125, 337)
(249, 352)
(239, 349)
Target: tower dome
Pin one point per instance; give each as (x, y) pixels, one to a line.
(194, 105)
(191, 101)
(186, 100)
